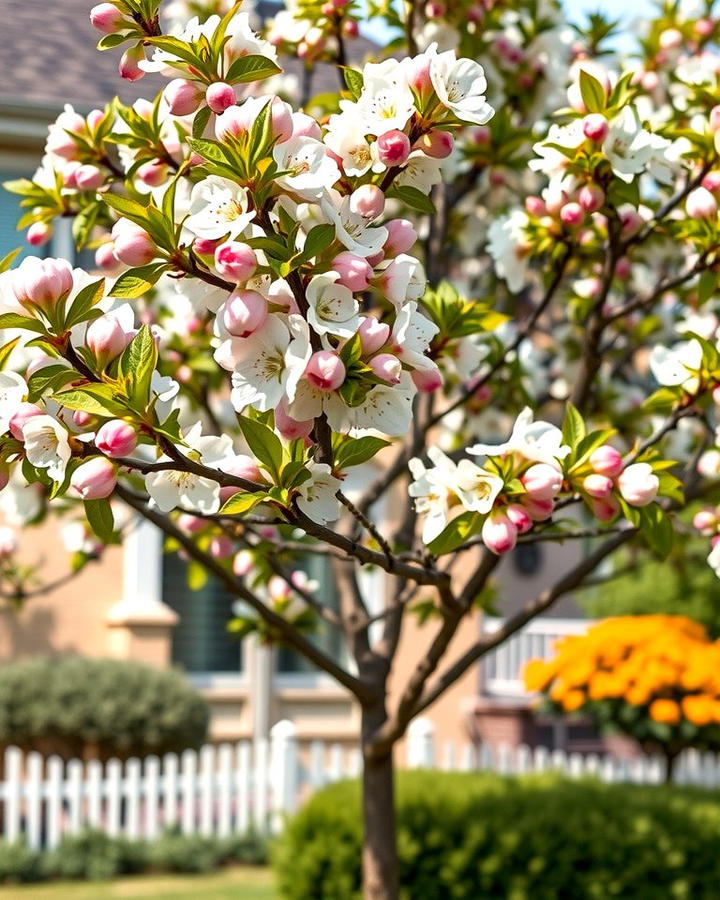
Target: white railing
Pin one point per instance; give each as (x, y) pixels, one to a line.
(231, 788)
(502, 668)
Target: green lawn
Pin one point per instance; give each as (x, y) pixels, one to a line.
(240, 883)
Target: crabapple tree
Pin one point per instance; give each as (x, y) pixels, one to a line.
(482, 266)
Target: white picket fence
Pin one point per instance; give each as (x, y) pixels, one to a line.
(229, 789)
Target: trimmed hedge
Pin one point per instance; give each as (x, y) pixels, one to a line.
(542, 837)
(96, 856)
(72, 705)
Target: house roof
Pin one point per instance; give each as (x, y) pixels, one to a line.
(48, 58)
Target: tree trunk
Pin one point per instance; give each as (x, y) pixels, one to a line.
(670, 759)
(379, 860)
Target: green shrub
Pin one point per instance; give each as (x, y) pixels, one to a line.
(542, 837)
(68, 704)
(19, 863)
(95, 856)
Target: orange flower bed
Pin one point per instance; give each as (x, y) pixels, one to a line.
(665, 664)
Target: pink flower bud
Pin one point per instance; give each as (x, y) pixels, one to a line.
(417, 73)
(706, 521)
(572, 215)
(427, 380)
(241, 466)
(540, 510)
(498, 533)
(235, 260)
(714, 119)
(43, 282)
(106, 18)
(38, 233)
(205, 246)
(606, 460)
(221, 546)
(542, 481)
(325, 370)
(535, 206)
(191, 524)
(220, 96)
(401, 237)
(595, 127)
(438, 144)
(354, 271)
(591, 197)
(598, 486)
(367, 201)
(701, 204)
(183, 97)
(711, 181)
(350, 28)
(245, 312)
(128, 67)
(520, 517)
(291, 429)
(22, 415)
(132, 244)
(105, 256)
(88, 178)
(393, 148)
(638, 484)
(386, 367)
(116, 438)
(106, 339)
(704, 27)
(94, 479)
(605, 509)
(623, 268)
(153, 173)
(243, 563)
(374, 334)
(81, 418)
(670, 39)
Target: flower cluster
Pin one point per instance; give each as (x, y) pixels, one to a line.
(652, 677)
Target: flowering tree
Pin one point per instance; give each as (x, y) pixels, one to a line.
(653, 678)
(499, 223)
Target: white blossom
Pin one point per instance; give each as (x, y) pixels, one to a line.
(316, 496)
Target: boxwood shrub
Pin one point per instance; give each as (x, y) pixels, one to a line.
(542, 837)
(75, 706)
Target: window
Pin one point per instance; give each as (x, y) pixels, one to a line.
(10, 212)
(200, 642)
(326, 637)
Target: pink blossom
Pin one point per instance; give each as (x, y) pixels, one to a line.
(401, 237)
(606, 460)
(106, 18)
(542, 481)
(386, 367)
(638, 484)
(354, 271)
(598, 486)
(367, 201)
(42, 282)
(220, 96)
(520, 517)
(393, 148)
(235, 260)
(498, 533)
(116, 438)
(325, 370)
(183, 97)
(24, 412)
(245, 312)
(132, 244)
(595, 127)
(94, 479)
(374, 334)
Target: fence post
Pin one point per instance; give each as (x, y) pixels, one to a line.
(421, 744)
(13, 793)
(283, 771)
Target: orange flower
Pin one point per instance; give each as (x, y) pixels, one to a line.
(537, 675)
(698, 709)
(665, 711)
(573, 700)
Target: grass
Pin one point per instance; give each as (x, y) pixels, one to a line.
(237, 883)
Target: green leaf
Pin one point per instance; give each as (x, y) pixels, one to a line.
(15, 320)
(9, 258)
(264, 444)
(137, 364)
(319, 238)
(100, 518)
(573, 427)
(592, 92)
(355, 451)
(707, 285)
(456, 533)
(138, 281)
(197, 576)
(657, 530)
(129, 209)
(86, 299)
(202, 117)
(354, 81)
(97, 399)
(590, 443)
(251, 68)
(209, 150)
(413, 198)
(110, 41)
(6, 351)
(48, 379)
(242, 503)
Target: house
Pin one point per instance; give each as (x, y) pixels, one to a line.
(135, 603)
